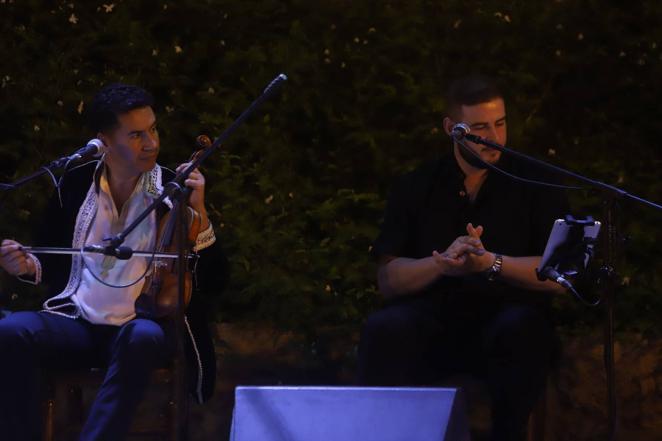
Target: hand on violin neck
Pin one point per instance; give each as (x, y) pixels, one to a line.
(196, 181)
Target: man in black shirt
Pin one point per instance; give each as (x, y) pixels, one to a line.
(457, 256)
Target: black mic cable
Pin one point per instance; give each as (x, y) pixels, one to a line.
(458, 134)
(549, 273)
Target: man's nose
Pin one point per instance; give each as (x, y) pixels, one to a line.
(150, 140)
(492, 134)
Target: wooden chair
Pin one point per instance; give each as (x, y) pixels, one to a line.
(537, 429)
(68, 393)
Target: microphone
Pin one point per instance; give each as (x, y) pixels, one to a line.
(460, 130)
(93, 148)
(122, 252)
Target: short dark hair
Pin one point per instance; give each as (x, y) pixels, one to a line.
(468, 91)
(113, 100)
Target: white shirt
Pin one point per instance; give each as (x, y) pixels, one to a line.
(97, 219)
(99, 303)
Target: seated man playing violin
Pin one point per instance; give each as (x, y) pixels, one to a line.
(92, 319)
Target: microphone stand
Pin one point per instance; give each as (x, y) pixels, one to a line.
(176, 191)
(607, 271)
(58, 164)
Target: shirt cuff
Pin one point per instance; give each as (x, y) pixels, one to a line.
(37, 271)
(205, 239)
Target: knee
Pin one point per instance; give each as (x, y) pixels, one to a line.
(523, 320)
(141, 337)
(389, 325)
(10, 338)
(523, 329)
(14, 334)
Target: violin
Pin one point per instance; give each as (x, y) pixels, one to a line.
(160, 295)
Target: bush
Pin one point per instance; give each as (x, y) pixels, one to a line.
(297, 193)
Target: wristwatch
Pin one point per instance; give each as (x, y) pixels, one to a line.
(493, 272)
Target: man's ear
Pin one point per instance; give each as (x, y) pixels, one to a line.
(448, 125)
(104, 139)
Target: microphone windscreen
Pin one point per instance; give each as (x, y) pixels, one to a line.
(98, 144)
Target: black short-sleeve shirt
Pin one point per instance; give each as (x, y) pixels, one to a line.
(428, 209)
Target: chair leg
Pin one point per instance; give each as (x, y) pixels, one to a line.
(75, 404)
(180, 408)
(172, 420)
(177, 403)
(178, 417)
(48, 419)
(536, 426)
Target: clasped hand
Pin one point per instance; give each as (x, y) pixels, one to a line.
(466, 255)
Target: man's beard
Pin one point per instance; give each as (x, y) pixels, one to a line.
(473, 160)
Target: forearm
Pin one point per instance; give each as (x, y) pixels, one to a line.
(521, 272)
(402, 275)
(204, 218)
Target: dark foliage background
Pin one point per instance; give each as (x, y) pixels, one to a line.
(297, 194)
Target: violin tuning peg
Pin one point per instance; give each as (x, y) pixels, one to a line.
(203, 141)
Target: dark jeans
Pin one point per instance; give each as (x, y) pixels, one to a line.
(31, 342)
(421, 340)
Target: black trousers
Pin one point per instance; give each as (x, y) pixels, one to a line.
(422, 340)
(31, 342)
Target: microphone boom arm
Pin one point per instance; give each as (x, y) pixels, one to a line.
(63, 162)
(592, 182)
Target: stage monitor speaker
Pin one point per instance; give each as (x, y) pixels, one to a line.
(348, 414)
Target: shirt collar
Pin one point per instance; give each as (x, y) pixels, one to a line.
(150, 182)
